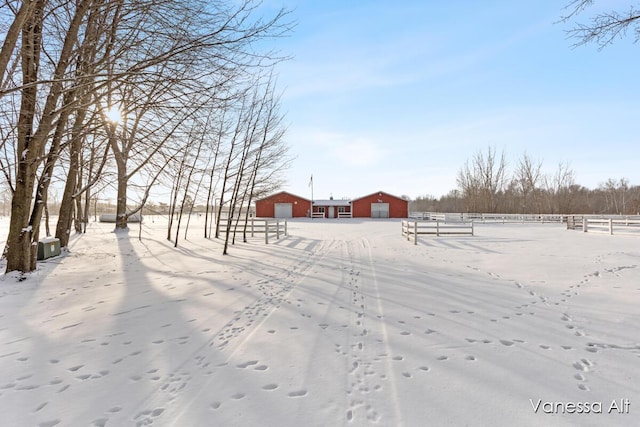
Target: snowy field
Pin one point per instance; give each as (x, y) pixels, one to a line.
(341, 323)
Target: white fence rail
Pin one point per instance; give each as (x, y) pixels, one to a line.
(268, 227)
(435, 228)
(611, 226)
(486, 218)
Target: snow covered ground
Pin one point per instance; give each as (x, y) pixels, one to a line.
(343, 322)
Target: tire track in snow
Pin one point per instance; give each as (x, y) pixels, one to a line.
(385, 335)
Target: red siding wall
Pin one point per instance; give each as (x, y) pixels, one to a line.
(300, 206)
(398, 208)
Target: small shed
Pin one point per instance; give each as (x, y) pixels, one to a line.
(283, 205)
(380, 205)
(332, 208)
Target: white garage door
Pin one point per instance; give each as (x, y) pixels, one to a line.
(283, 210)
(379, 210)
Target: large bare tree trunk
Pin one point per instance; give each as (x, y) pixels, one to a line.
(31, 144)
(13, 33)
(20, 231)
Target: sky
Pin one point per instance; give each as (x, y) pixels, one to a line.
(397, 96)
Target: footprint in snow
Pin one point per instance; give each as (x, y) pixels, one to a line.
(42, 405)
(247, 364)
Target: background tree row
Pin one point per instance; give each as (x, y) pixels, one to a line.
(486, 184)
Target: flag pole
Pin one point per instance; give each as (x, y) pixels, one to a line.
(311, 184)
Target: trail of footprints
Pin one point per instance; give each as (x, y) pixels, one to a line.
(256, 366)
(583, 365)
(274, 290)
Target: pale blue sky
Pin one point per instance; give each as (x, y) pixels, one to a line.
(396, 96)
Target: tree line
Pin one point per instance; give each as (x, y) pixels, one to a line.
(125, 95)
(486, 184)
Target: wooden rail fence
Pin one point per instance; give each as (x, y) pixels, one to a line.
(267, 226)
(487, 218)
(611, 226)
(434, 228)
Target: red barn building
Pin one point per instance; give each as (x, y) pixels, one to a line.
(380, 205)
(376, 205)
(283, 205)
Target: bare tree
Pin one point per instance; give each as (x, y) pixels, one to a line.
(31, 141)
(271, 155)
(601, 28)
(528, 175)
(559, 190)
(616, 195)
(22, 14)
(482, 180)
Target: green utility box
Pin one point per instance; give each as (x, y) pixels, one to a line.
(48, 248)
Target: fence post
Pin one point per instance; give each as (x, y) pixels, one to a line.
(438, 228)
(472, 228)
(266, 231)
(585, 224)
(285, 228)
(252, 227)
(610, 226)
(278, 229)
(415, 232)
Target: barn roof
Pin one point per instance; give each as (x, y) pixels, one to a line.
(283, 192)
(332, 202)
(380, 192)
